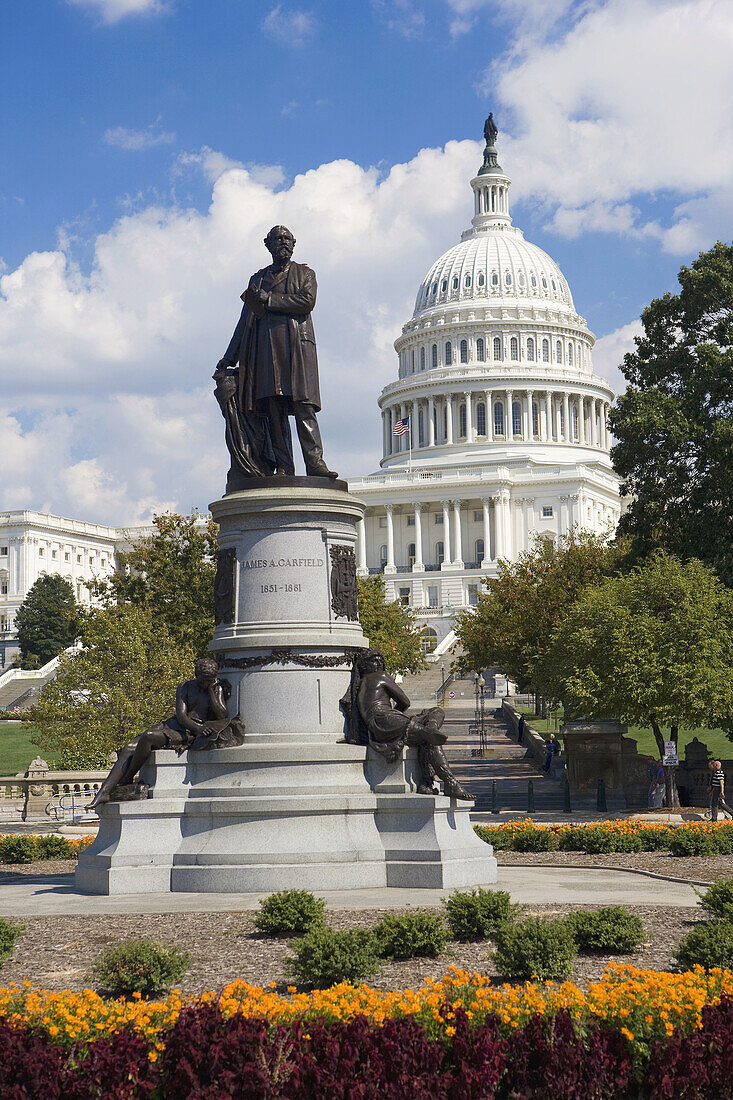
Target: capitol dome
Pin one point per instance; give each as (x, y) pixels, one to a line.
(496, 428)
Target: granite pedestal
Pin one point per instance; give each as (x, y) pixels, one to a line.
(292, 807)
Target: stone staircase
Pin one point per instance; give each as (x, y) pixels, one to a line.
(503, 761)
(20, 687)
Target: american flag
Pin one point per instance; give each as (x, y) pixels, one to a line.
(401, 426)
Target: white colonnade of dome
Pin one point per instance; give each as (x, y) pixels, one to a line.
(508, 423)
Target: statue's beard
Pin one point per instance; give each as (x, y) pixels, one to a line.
(281, 256)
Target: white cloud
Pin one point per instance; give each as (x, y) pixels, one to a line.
(632, 100)
(609, 351)
(107, 374)
(136, 141)
(289, 26)
(403, 16)
(112, 11)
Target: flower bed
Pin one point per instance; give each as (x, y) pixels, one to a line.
(635, 1033)
(34, 847)
(621, 835)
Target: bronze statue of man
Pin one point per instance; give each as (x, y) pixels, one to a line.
(201, 721)
(375, 710)
(275, 349)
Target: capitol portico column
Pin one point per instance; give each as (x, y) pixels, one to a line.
(449, 418)
(548, 417)
(528, 503)
(362, 567)
(509, 426)
(604, 437)
(415, 425)
(530, 418)
(390, 566)
(503, 530)
(431, 422)
(458, 559)
(446, 532)
(567, 434)
(418, 565)
(469, 417)
(489, 399)
(402, 439)
(487, 533)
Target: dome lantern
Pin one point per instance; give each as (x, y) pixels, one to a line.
(490, 189)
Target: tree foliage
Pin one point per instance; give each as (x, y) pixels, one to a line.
(511, 625)
(120, 684)
(171, 573)
(389, 626)
(49, 619)
(652, 648)
(674, 423)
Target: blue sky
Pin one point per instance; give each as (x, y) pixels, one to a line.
(148, 144)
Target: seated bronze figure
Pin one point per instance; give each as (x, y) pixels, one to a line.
(201, 721)
(375, 709)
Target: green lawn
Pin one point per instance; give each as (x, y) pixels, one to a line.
(716, 741)
(16, 750)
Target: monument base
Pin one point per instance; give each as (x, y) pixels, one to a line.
(261, 818)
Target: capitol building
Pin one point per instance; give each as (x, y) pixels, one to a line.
(508, 423)
(507, 438)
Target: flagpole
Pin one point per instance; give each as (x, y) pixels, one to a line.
(409, 438)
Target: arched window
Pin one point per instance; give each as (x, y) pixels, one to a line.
(514, 348)
(576, 434)
(533, 280)
(494, 278)
(478, 554)
(481, 418)
(520, 278)
(464, 351)
(570, 355)
(545, 351)
(383, 555)
(444, 286)
(480, 349)
(481, 278)
(544, 282)
(553, 285)
(508, 278)
(497, 347)
(530, 349)
(498, 417)
(516, 419)
(558, 350)
(411, 554)
(462, 420)
(535, 420)
(455, 282)
(434, 355)
(467, 281)
(422, 358)
(439, 553)
(448, 354)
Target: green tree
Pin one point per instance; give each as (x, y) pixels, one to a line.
(48, 621)
(171, 573)
(674, 423)
(510, 627)
(121, 683)
(389, 627)
(652, 648)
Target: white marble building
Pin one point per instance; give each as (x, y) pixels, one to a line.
(508, 421)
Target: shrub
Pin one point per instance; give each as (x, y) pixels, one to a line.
(31, 1064)
(324, 957)
(535, 947)
(718, 899)
(476, 914)
(9, 933)
(611, 930)
(708, 945)
(500, 837)
(140, 966)
(411, 935)
(654, 838)
(695, 1066)
(691, 842)
(54, 847)
(722, 840)
(18, 848)
(290, 913)
(535, 840)
(114, 1066)
(597, 839)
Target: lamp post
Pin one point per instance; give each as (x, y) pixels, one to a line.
(480, 714)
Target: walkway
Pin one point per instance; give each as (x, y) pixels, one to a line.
(54, 895)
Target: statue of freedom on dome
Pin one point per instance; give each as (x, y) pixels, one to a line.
(490, 131)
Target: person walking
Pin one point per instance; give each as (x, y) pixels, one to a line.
(717, 790)
(552, 747)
